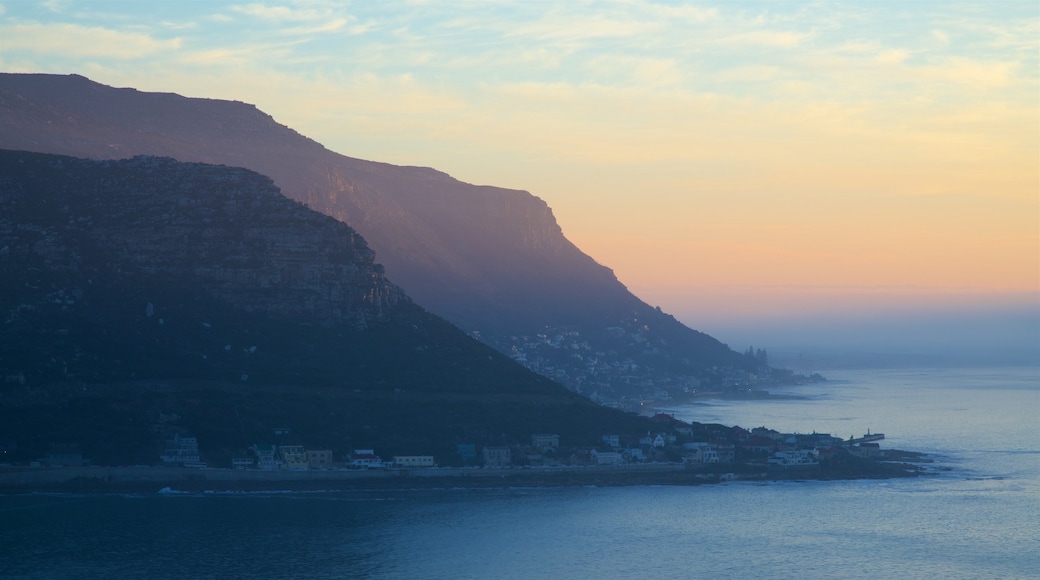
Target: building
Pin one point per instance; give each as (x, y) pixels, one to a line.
(293, 457)
(651, 441)
(266, 456)
(243, 462)
(497, 456)
(413, 461)
(182, 450)
(613, 440)
(727, 452)
(634, 454)
(365, 458)
(868, 450)
(467, 452)
(699, 453)
(545, 441)
(607, 457)
(794, 459)
(319, 458)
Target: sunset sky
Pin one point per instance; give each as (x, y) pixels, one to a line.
(729, 160)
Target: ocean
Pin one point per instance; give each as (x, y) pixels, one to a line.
(978, 516)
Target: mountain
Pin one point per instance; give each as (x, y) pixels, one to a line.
(145, 296)
(492, 261)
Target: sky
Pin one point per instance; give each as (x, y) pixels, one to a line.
(740, 164)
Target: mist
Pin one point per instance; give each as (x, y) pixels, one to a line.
(949, 337)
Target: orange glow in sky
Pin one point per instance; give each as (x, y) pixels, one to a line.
(725, 156)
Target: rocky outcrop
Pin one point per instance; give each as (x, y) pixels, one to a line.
(227, 232)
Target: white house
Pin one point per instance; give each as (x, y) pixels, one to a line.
(366, 458)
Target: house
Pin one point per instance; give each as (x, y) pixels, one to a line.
(633, 454)
(606, 457)
(652, 441)
(365, 458)
(497, 456)
(182, 450)
(243, 462)
(824, 440)
(545, 441)
(613, 440)
(768, 433)
(700, 453)
(266, 456)
(799, 458)
(319, 458)
(413, 461)
(294, 457)
(727, 452)
(759, 444)
(869, 450)
(467, 452)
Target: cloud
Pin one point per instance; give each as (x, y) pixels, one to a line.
(310, 18)
(768, 38)
(753, 73)
(243, 55)
(279, 13)
(581, 28)
(56, 6)
(972, 73)
(329, 26)
(306, 11)
(893, 56)
(83, 41)
(646, 72)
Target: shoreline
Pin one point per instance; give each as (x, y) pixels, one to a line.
(105, 480)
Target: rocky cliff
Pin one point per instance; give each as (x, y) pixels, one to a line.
(488, 259)
(226, 232)
(138, 290)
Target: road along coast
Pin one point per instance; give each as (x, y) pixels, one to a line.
(98, 479)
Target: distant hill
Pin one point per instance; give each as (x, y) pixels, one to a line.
(492, 261)
(145, 296)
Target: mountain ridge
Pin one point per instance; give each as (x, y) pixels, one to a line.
(146, 288)
(493, 261)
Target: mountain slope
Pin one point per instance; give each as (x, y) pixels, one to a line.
(147, 288)
(487, 259)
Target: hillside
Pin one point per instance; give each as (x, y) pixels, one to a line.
(146, 296)
(492, 261)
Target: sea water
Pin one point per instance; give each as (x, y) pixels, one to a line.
(977, 517)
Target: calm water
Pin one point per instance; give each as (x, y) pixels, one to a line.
(980, 519)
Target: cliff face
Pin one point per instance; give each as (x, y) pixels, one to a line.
(138, 290)
(487, 259)
(228, 233)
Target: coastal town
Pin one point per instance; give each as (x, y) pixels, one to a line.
(707, 451)
(637, 371)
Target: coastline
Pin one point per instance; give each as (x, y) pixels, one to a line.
(96, 479)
